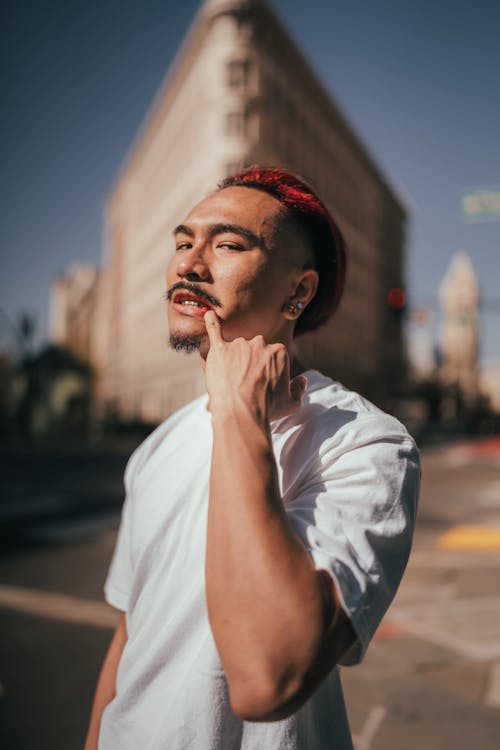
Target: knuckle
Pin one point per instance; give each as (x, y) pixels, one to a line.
(279, 349)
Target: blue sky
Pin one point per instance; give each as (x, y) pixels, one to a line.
(417, 81)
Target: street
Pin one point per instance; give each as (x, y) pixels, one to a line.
(431, 678)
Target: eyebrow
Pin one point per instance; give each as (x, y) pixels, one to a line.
(222, 228)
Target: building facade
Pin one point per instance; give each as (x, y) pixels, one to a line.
(489, 384)
(459, 296)
(239, 93)
(74, 300)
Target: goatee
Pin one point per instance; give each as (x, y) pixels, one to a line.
(186, 344)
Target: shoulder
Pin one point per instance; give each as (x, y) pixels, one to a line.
(179, 420)
(339, 416)
(339, 432)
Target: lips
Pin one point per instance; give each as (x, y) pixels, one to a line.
(189, 303)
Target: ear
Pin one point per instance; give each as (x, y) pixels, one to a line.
(304, 288)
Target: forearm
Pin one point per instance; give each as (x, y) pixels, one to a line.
(106, 684)
(276, 621)
(266, 601)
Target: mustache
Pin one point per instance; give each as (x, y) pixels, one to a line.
(195, 289)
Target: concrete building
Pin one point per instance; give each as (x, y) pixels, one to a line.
(74, 299)
(420, 345)
(240, 92)
(489, 384)
(459, 295)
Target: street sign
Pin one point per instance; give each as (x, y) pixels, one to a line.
(483, 203)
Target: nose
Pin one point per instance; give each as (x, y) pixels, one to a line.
(192, 264)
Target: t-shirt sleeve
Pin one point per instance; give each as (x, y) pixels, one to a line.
(355, 513)
(118, 580)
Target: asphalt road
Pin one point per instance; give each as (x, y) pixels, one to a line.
(431, 678)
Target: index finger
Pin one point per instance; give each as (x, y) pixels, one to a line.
(213, 327)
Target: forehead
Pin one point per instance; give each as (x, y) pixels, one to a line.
(237, 205)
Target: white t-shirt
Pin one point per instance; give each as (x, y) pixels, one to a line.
(349, 477)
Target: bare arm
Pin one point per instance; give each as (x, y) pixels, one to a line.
(106, 684)
(276, 620)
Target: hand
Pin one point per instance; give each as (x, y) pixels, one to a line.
(251, 375)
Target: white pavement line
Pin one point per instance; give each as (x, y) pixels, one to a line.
(58, 606)
(436, 627)
(489, 497)
(370, 728)
(492, 697)
(414, 592)
(453, 559)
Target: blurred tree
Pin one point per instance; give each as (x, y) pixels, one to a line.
(26, 328)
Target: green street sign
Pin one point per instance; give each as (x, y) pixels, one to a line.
(482, 204)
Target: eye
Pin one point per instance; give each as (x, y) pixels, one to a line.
(183, 246)
(230, 245)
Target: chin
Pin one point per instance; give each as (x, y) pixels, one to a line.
(186, 343)
(186, 333)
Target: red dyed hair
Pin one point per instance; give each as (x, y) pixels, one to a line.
(303, 207)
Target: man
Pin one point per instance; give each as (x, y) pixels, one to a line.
(267, 524)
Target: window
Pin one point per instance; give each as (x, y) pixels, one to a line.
(238, 72)
(235, 123)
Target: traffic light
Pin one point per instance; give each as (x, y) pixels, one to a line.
(396, 302)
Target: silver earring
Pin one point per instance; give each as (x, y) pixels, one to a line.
(294, 307)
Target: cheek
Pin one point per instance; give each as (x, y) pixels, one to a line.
(241, 283)
(265, 285)
(170, 272)
(262, 299)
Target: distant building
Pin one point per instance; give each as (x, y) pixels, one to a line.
(238, 93)
(421, 354)
(489, 384)
(459, 295)
(73, 303)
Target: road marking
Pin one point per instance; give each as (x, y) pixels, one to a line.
(456, 460)
(470, 538)
(58, 606)
(492, 697)
(466, 453)
(489, 496)
(446, 559)
(467, 626)
(415, 591)
(370, 728)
